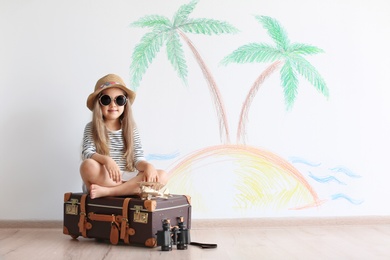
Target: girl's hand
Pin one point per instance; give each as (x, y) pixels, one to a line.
(113, 169)
(150, 174)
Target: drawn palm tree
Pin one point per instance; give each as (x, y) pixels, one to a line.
(169, 32)
(285, 54)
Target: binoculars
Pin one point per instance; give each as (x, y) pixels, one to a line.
(177, 235)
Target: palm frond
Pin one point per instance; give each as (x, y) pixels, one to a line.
(309, 72)
(253, 52)
(303, 49)
(207, 26)
(143, 55)
(176, 56)
(275, 30)
(289, 83)
(152, 21)
(183, 13)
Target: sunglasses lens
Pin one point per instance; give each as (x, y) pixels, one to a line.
(120, 100)
(105, 100)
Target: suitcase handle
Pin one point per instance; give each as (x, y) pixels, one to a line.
(105, 218)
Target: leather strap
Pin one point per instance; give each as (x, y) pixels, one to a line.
(203, 245)
(125, 221)
(101, 217)
(83, 219)
(114, 234)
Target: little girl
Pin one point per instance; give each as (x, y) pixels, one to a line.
(113, 160)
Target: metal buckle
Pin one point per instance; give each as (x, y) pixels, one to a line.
(72, 208)
(140, 217)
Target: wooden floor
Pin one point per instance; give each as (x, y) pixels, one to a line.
(235, 241)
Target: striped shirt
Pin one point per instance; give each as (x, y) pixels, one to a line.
(116, 146)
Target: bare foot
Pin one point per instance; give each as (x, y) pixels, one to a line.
(124, 189)
(98, 191)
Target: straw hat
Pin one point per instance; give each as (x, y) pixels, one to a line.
(109, 81)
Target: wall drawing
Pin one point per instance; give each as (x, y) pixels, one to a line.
(284, 53)
(165, 31)
(254, 178)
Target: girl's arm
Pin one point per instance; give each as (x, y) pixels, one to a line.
(148, 171)
(111, 166)
(144, 167)
(89, 147)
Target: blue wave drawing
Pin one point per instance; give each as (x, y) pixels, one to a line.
(346, 171)
(326, 175)
(162, 157)
(346, 197)
(303, 161)
(325, 179)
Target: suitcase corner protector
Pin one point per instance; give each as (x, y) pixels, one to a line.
(67, 196)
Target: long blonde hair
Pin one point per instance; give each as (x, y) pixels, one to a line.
(100, 134)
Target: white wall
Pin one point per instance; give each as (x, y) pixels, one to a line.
(52, 53)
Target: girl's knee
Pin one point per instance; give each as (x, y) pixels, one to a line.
(163, 177)
(90, 171)
(89, 166)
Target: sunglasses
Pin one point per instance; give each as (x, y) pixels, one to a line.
(105, 100)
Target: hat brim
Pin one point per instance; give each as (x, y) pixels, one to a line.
(92, 97)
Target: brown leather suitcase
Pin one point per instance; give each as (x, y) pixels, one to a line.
(131, 220)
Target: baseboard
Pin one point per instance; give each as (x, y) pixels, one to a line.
(290, 222)
(31, 224)
(228, 223)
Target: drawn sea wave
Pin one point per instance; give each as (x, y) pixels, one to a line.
(325, 175)
(346, 171)
(162, 157)
(347, 198)
(295, 160)
(326, 179)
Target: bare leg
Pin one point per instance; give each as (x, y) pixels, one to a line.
(131, 187)
(93, 172)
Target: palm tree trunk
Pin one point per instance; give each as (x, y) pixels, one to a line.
(241, 131)
(216, 95)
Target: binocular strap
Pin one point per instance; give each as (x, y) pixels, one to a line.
(203, 245)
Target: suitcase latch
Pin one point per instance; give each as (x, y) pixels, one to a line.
(72, 208)
(140, 217)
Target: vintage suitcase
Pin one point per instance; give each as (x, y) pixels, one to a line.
(128, 219)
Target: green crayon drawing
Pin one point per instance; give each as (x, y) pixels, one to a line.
(169, 32)
(261, 179)
(291, 54)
